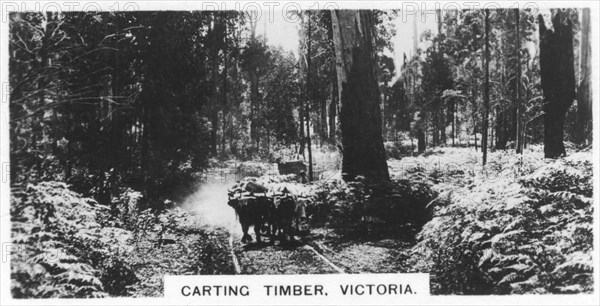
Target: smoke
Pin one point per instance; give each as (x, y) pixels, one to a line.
(209, 205)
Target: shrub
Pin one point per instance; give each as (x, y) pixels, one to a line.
(399, 202)
(64, 250)
(503, 236)
(398, 149)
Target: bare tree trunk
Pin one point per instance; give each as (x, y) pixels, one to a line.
(421, 146)
(323, 127)
(435, 125)
(474, 114)
(558, 80)
(307, 108)
(214, 115)
(583, 127)
(254, 101)
(360, 117)
(383, 101)
(519, 136)
(226, 104)
(236, 86)
(214, 108)
(454, 106)
(442, 123)
(302, 134)
(486, 94)
(332, 110)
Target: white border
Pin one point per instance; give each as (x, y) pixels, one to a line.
(5, 295)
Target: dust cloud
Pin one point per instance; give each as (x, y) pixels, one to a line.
(209, 205)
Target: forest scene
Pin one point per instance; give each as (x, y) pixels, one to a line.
(154, 143)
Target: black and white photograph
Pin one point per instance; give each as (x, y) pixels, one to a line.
(299, 142)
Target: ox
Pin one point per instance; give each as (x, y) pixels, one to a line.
(287, 213)
(250, 208)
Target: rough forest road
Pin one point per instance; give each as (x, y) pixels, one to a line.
(290, 258)
(324, 251)
(359, 249)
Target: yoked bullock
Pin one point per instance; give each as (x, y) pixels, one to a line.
(277, 210)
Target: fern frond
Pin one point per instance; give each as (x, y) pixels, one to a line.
(509, 278)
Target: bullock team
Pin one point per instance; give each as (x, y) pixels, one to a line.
(275, 212)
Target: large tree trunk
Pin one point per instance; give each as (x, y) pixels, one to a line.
(254, 95)
(474, 111)
(583, 127)
(360, 116)
(558, 80)
(454, 107)
(519, 133)
(486, 94)
(214, 112)
(323, 128)
(435, 126)
(421, 146)
(214, 108)
(442, 122)
(225, 103)
(333, 111)
(302, 134)
(308, 86)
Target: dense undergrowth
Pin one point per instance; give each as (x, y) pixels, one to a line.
(66, 245)
(521, 224)
(515, 226)
(398, 202)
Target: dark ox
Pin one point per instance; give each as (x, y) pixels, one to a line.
(286, 216)
(251, 210)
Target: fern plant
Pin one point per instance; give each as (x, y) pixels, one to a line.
(65, 248)
(533, 235)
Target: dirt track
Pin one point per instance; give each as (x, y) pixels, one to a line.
(324, 251)
(361, 249)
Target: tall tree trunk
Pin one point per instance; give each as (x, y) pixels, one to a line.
(442, 122)
(502, 109)
(116, 127)
(332, 110)
(236, 86)
(519, 106)
(225, 102)
(436, 124)
(421, 145)
(474, 113)
(486, 94)
(583, 127)
(362, 142)
(307, 108)
(309, 144)
(558, 80)
(454, 106)
(323, 110)
(214, 109)
(302, 134)
(383, 102)
(214, 113)
(254, 101)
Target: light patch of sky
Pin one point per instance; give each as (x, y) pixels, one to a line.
(281, 31)
(403, 41)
